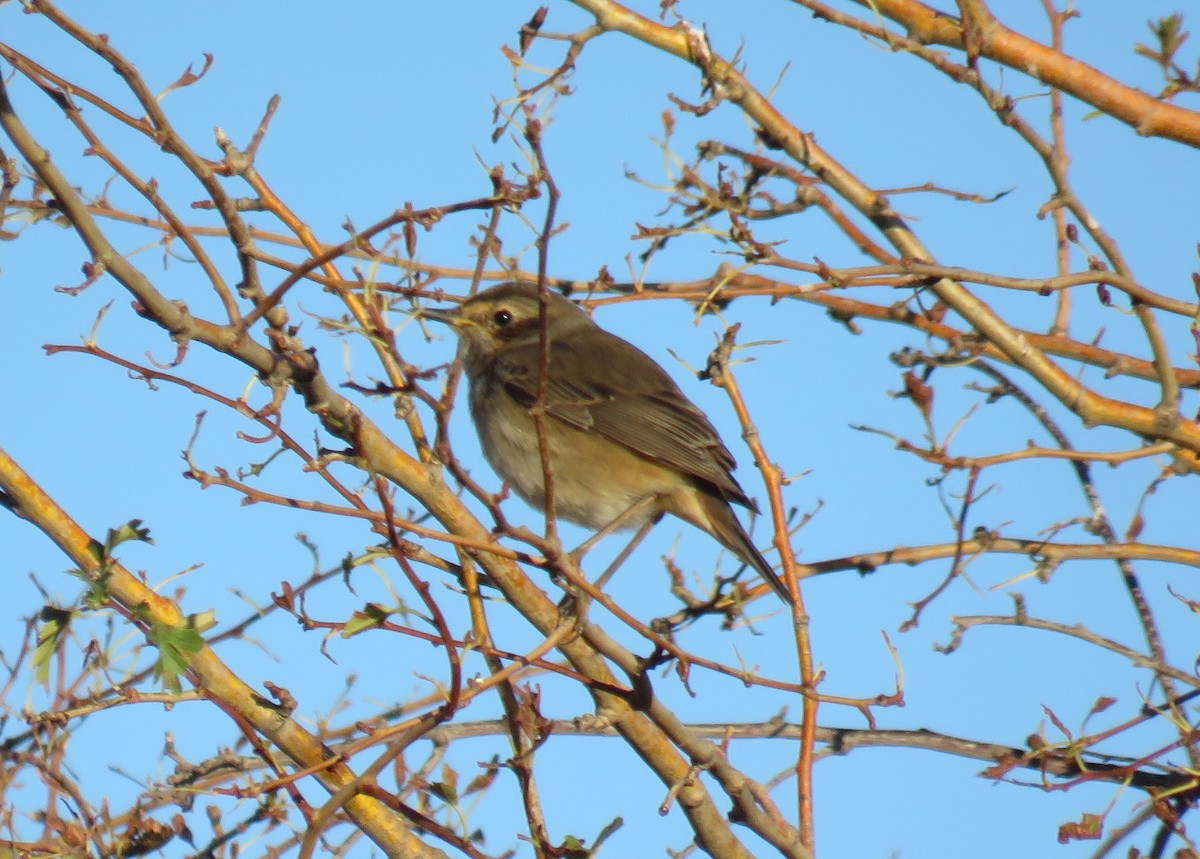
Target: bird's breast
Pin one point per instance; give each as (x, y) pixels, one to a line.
(595, 479)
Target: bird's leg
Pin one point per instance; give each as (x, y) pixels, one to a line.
(631, 513)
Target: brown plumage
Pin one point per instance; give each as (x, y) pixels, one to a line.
(620, 430)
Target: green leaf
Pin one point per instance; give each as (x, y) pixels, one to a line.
(97, 594)
(371, 616)
(444, 792)
(55, 622)
(574, 848)
(203, 621)
(175, 644)
(131, 530)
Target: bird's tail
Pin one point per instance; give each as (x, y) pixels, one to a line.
(724, 525)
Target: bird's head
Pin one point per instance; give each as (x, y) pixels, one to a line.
(508, 315)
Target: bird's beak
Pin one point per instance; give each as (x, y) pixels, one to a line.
(452, 317)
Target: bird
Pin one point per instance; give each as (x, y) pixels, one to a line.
(622, 438)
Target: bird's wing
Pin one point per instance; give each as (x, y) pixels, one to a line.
(644, 411)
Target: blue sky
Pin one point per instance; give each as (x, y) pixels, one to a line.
(388, 103)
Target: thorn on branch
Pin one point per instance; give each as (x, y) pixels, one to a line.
(286, 702)
(92, 271)
(188, 78)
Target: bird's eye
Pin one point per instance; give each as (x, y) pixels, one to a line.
(502, 318)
